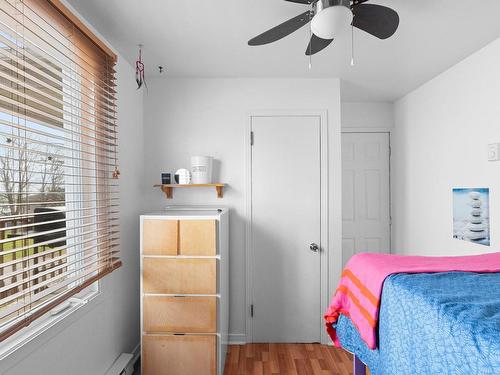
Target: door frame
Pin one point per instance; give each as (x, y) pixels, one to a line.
(387, 131)
(325, 255)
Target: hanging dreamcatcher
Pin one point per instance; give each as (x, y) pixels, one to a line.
(140, 77)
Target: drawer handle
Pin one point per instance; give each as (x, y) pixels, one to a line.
(179, 334)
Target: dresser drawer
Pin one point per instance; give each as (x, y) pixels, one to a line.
(180, 314)
(198, 237)
(160, 237)
(178, 355)
(179, 276)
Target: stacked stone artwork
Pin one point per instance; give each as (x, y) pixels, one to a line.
(477, 228)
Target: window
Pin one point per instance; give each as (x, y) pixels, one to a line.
(58, 164)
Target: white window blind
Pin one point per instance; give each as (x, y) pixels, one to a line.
(58, 164)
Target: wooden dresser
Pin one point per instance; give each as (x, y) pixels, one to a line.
(184, 291)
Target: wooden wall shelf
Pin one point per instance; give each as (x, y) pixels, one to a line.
(169, 189)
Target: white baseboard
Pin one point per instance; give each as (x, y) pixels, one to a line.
(237, 339)
(136, 352)
(122, 365)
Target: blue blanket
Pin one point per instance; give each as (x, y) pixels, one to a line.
(429, 324)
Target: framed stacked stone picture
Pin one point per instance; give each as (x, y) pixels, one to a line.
(471, 215)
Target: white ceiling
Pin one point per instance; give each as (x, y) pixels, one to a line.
(208, 38)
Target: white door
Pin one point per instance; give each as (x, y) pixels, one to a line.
(286, 220)
(365, 194)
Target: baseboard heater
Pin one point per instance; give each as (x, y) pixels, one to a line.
(124, 365)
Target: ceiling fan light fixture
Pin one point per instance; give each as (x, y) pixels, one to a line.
(333, 18)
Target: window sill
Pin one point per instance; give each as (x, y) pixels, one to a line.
(41, 325)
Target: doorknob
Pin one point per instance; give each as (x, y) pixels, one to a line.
(314, 247)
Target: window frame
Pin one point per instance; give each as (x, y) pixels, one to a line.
(92, 293)
(15, 342)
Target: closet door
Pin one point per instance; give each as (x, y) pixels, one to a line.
(286, 223)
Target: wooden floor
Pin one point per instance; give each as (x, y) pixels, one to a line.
(290, 359)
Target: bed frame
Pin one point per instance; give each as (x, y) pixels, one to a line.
(359, 366)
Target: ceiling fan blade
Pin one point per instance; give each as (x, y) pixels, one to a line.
(317, 44)
(376, 20)
(280, 31)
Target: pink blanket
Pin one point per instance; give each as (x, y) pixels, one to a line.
(358, 294)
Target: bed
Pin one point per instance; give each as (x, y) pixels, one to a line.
(431, 323)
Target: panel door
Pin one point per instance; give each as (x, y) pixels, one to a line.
(365, 194)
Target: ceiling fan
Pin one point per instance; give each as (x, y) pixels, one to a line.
(327, 18)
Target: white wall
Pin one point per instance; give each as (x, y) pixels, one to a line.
(184, 117)
(374, 115)
(440, 142)
(89, 340)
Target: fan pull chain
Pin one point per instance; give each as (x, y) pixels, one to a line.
(310, 48)
(352, 45)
